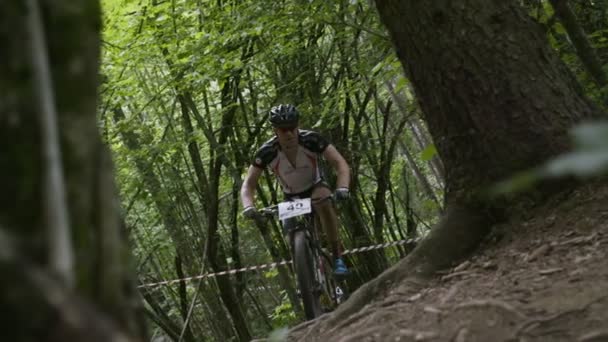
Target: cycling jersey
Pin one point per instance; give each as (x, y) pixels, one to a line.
(305, 173)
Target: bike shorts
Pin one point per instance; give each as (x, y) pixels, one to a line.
(307, 193)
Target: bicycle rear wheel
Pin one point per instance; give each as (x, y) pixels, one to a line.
(304, 265)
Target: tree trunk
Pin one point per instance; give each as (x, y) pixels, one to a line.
(215, 252)
(423, 140)
(48, 82)
(435, 162)
(497, 100)
(161, 198)
(420, 176)
(373, 261)
(495, 96)
(183, 299)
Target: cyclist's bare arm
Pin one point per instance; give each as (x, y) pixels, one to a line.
(339, 164)
(249, 186)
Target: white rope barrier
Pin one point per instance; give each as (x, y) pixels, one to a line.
(380, 246)
(271, 265)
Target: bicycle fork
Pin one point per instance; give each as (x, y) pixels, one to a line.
(335, 292)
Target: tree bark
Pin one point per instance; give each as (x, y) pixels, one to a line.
(36, 306)
(495, 96)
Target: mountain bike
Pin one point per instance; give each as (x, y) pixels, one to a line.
(319, 290)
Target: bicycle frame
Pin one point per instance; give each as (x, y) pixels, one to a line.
(321, 285)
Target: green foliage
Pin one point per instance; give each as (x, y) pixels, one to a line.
(592, 18)
(331, 58)
(283, 314)
(428, 153)
(272, 273)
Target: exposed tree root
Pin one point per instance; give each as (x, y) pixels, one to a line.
(403, 305)
(594, 336)
(491, 303)
(460, 231)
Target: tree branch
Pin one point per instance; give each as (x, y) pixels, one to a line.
(577, 35)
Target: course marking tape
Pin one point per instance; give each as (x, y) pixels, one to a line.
(384, 245)
(270, 265)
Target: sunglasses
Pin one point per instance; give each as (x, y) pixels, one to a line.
(286, 129)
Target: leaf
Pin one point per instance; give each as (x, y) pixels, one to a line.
(401, 83)
(559, 29)
(378, 67)
(579, 163)
(271, 273)
(428, 153)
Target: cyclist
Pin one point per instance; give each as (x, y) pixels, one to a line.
(293, 157)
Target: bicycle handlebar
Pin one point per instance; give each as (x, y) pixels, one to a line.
(269, 211)
(273, 210)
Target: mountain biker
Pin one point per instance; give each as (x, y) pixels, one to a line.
(293, 157)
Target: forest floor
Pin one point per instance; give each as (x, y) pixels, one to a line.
(539, 277)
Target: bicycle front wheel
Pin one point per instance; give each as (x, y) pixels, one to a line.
(304, 265)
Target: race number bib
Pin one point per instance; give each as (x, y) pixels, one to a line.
(293, 208)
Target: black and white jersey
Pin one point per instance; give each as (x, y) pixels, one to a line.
(305, 173)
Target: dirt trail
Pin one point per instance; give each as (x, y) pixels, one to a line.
(537, 278)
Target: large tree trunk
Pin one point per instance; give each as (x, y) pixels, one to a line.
(48, 92)
(494, 95)
(497, 100)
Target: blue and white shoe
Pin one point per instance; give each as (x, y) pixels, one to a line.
(340, 269)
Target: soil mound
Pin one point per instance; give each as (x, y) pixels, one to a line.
(539, 277)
